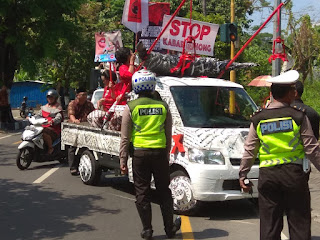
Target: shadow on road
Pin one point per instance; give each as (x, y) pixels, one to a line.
(228, 210)
(31, 212)
(120, 183)
(6, 154)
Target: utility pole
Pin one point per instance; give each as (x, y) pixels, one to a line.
(276, 64)
(233, 72)
(204, 7)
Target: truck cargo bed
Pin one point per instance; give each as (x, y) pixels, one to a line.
(84, 136)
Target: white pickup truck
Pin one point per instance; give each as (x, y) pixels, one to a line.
(208, 139)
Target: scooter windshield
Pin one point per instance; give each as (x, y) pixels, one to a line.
(29, 133)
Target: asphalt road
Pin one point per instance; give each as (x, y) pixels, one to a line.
(46, 202)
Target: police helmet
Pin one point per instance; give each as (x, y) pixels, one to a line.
(143, 80)
(53, 93)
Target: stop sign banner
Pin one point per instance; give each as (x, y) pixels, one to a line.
(203, 32)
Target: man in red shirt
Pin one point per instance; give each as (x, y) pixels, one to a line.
(125, 57)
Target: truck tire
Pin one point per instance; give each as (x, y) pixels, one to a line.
(183, 199)
(24, 158)
(89, 169)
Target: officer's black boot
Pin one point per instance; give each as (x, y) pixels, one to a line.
(170, 227)
(145, 216)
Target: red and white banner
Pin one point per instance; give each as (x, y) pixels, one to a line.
(106, 46)
(135, 14)
(203, 32)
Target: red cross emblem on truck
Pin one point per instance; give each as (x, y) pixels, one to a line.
(178, 144)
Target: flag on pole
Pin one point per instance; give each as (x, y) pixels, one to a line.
(135, 15)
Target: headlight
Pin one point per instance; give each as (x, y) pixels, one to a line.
(206, 156)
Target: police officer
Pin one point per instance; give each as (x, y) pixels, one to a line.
(282, 137)
(147, 122)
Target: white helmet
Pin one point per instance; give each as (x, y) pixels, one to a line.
(143, 80)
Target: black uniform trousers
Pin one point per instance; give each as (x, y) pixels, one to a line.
(145, 163)
(284, 189)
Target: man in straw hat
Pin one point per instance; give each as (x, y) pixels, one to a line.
(282, 137)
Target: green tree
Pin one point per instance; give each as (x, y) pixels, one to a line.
(303, 41)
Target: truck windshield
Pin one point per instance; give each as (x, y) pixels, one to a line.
(207, 107)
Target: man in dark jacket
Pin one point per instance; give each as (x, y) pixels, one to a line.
(282, 137)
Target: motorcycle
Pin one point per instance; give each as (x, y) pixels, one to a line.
(24, 109)
(33, 149)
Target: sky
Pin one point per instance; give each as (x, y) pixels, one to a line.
(300, 7)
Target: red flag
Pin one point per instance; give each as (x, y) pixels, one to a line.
(135, 14)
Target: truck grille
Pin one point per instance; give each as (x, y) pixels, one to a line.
(236, 161)
(231, 185)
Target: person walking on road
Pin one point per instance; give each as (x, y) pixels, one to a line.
(148, 123)
(282, 137)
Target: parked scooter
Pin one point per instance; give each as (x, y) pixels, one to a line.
(24, 109)
(33, 147)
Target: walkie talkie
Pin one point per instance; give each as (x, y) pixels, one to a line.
(247, 183)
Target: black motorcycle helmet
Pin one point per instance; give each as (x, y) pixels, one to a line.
(25, 98)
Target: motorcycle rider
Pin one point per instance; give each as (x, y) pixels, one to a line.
(52, 111)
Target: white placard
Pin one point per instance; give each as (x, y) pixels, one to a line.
(203, 32)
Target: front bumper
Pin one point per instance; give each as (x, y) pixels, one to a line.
(220, 183)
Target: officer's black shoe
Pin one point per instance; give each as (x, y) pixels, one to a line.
(147, 234)
(176, 227)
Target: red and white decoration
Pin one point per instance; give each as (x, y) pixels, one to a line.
(135, 14)
(106, 46)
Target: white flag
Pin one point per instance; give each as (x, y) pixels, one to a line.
(135, 15)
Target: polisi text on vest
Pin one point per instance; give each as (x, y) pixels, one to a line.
(276, 126)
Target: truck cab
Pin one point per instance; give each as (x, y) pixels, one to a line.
(209, 130)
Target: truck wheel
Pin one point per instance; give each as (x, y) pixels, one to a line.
(24, 158)
(183, 199)
(89, 169)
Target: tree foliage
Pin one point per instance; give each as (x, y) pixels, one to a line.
(303, 41)
(31, 31)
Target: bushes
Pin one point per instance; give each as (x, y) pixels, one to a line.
(310, 95)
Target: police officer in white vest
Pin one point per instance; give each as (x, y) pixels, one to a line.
(281, 137)
(147, 122)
